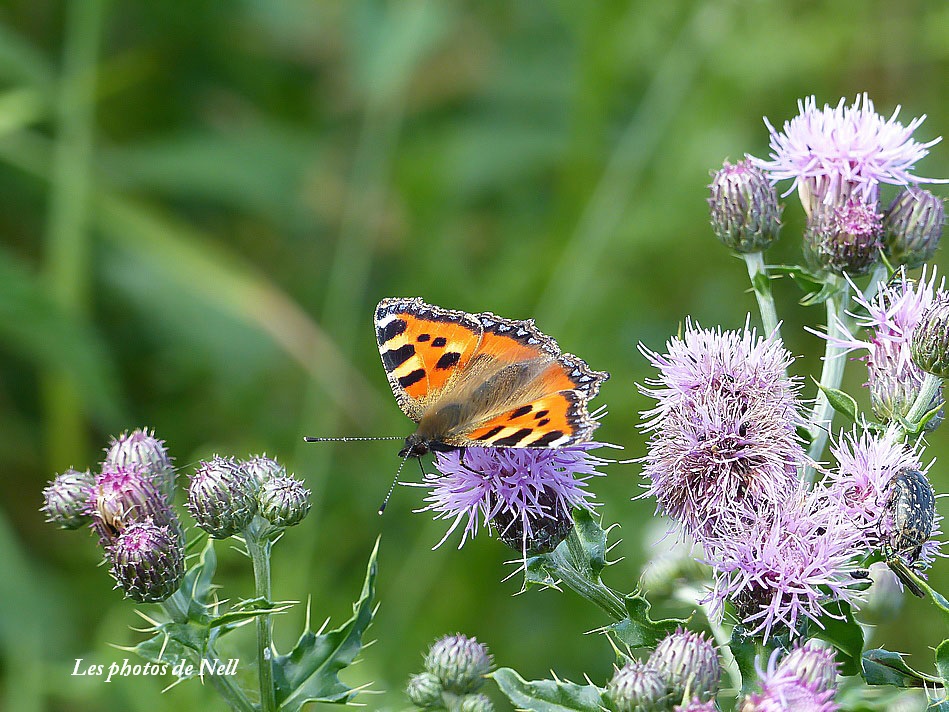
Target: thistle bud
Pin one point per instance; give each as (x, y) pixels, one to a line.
(425, 691)
(222, 498)
(66, 499)
(147, 562)
(688, 664)
(696, 705)
(460, 663)
(477, 703)
(843, 239)
(744, 208)
(930, 345)
(123, 496)
(636, 687)
(262, 468)
(283, 501)
(143, 450)
(813, 665)
(543, 531)
(912, 227)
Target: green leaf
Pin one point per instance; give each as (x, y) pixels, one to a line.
(175, 643)
(309, 673)
(827, 291)
(638, 630)
(845, 634)
(247, 610)
(840, 401)
(883, 667)
(197, 586)
(807, 282)
(548, 695)
(744, 649)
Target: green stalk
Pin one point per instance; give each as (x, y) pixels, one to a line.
(258, 548)
(67, 256)
(924, 400)
(761, 285)
(584, 582)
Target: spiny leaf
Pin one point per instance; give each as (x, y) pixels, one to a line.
(638, 630)
(883, 667)
(309, 673)
(548, 695)
(844, 633)
(840, 401)
(744, 649)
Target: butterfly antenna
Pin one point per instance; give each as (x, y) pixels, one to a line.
(395, 481)
(307, 438)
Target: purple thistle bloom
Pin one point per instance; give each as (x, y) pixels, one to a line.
(696, 705)
(476, 484)
(124, 495)
(891, 318)
(833, 154)
(783, 569)
(782, 689)
(723, 439)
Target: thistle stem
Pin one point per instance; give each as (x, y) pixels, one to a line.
(924, 400)
(761, 285)
(258, 548)
(562, 564)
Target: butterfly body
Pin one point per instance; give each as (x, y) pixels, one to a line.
(481, 380)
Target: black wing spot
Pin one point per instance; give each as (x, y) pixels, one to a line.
(391, 330)
(542, 422)
(513, 438)
(548, 438)
(541, 414)
(413, 377)
(448, 359)
(423, 337)
(491, 433)
(523, 410)
(439, 341)
(393, 358)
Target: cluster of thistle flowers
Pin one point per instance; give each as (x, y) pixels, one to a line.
(725, 460)
(128, 504)
(455, 669)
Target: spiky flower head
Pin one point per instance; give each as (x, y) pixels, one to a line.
(689, 665)
(696, 705)
(283, 501)
(425, 691)
(783, 690)
(912, 227)
(813, 665)
(890, 319)
(930, 344)
(528, 486)
(786, 567)
(723, 441)
(844, 239)
(476, 703)
(744, 208)
(459, 662)
(833, 154)
(636, 687)
(147, 561)
(262, 468)
(543, 532)
(66, 499)
(140, 448)
(222, 498)
(125, 495)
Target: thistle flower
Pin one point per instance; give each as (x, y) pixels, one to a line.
(844, 239)
(459, 662)
(930, 343)
(723, 443)
(813, 665)
(125, 495)
(912, 227)
(261, 468)
(525, 487)
(890, 319)
(222, 498)
(785, 568)
(696, 705)
(688, 664)
(476, 703)
(636, 686)
(147, 562)
(425, 691)
(744, 208)
(283, 501)
(833, 154)
(140, 448)
(782, 689)
(66, 499)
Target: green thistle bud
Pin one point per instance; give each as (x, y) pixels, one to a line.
(147, 562)
(283, 501)
(66, 499)
(813, 665)
(222, 498)
(912, 227)
(744, 208)
(460, 663)
(636, 687)
(689, 665)
(930, 345)
(143, 450)
(844, 239)
(476, 703)
(123, 496)
(544, 532)
(262, 468)
(425, 691)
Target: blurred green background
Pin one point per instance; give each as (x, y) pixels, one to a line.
(201, 203)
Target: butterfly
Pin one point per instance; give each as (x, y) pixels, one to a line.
(480, 380)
